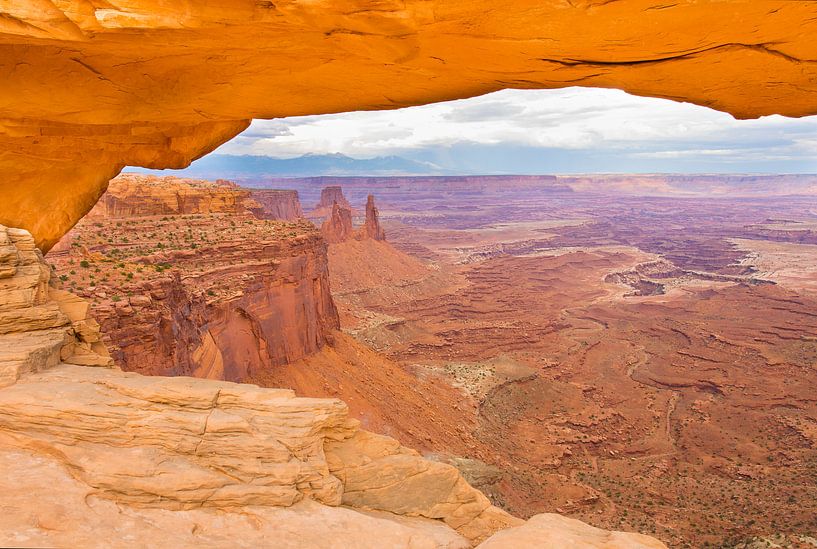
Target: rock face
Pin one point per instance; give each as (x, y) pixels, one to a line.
(371, 227)
(338, 226)
(278, 204)
(236, 297)
(39, 325)
(330, 196)
(218, 445)
(136, 195)
(178, 80)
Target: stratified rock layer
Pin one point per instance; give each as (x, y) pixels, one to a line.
(181, 444)
(338, 226)
(90, 87)
(215, 296)
(331, 195)
(371, 227)
(278, 204)
(134, 195)
(39, 325)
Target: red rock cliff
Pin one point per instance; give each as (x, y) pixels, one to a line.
(329, 196)
(371, 227)
(143, 195)
(278, 204)
(264, 305)
(216, 295)
(338, 226)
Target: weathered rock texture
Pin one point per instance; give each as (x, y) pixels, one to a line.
(134, 195)
(183, 444)
(331, 195)
(338, 226)
(39, 325)
(371, 227)
(89, 86)
(214, 296)
(278, 204)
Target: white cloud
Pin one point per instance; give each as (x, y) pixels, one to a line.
(573, 119)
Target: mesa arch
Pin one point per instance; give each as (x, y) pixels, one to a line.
(90, 86)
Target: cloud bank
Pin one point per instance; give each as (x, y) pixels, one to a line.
(548, 131)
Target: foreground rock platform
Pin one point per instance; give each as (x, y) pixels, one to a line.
(183, 443)
(100, 457)
(91, 87)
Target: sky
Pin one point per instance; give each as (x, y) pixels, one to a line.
(573, 130)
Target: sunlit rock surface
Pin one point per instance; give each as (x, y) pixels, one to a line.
(91, 86)
(551, 530)
(40, 325)
(244, 294)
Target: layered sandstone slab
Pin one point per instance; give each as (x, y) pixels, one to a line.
(183, 444)
(90, 87)
(39, 325)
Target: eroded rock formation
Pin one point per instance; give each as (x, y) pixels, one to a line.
(135, 195)
(278, 204)
(331, 195)
(39, 325)
(90, 87)
(220, 296)
(338, 226)
(371, 227)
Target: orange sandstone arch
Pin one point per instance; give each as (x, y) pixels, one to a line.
(89, 86)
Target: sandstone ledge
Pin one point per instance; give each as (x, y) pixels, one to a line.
(183, 443)
(100, 457)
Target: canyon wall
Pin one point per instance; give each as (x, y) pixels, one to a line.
(92, 87)
(185, 280)
(254, 307)
(132, 195)
(277, 204)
